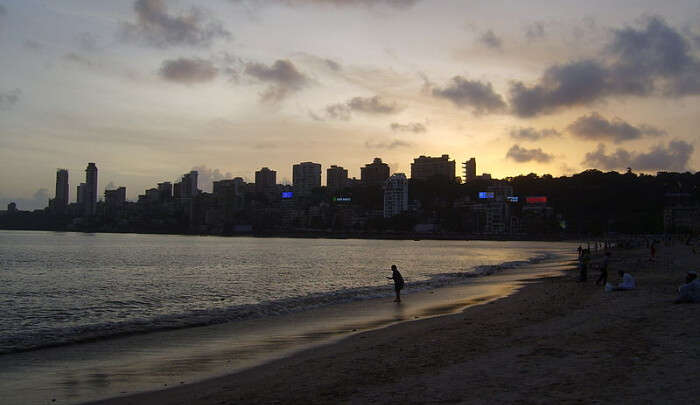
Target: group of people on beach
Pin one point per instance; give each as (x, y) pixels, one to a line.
(688, 292)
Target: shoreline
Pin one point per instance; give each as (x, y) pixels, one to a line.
(555, 340)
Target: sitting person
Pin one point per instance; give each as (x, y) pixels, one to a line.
(627, 282)
(690, 291)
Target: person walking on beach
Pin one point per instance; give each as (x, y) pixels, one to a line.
(398, 282)
(583, 265)
(603, 279)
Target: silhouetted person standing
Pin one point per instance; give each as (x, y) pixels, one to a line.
(604, 270)
(398, 282)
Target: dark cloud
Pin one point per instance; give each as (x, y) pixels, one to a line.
(338, 3)
(283, 76)
(188, 71)
(535, 31)
(78, 58)
(675, 157)
(523, 155)
(532, 134)
(415, 127)
(338, 112)
(315, 116)
(206, 176)
(596, 127)
(654, 59)
(156, 27)
(367, 105)
(373, 105)
(9, 99)
(396, 143)
(472, 93)
(333, 65)
(490, 40)
(566, 85)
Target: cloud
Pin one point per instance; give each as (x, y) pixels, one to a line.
(367, 105)
(532, 134)
(87, 41)
(39, 200)
(655, 59)
(535, 31)
(571, 84)
(156, 27)
(596, 127)
(490, 40)
(9, 99)
(33, 45)
(284, 77)
(78, 58)
(111, 186)
(333, 65)
(675, 157)
(397, 143)
(523, 155)
(188, 71)
(415, 127)
(337, 3)
(3, 10)
(206, 176)
(463, 93)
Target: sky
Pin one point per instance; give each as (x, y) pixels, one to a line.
(151, 89)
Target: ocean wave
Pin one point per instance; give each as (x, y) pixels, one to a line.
(51, 337)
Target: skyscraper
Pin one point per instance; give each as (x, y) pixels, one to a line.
(395, 195)
(336, 178)
(90, 193)
(61, 199)
(305, 177)
(375, 173)
(188, 187)
(469, 169)
(266, 181)
(424, 167)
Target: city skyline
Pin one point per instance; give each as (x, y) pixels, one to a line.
(151, 89)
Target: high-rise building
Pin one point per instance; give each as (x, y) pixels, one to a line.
(424, 167)
(375, 173)
(115, 198)
(61, 199)
(306, 176)
(336, 178)
(188, 188)
(469, 169)
(395, 195)
(266, 181)
(90, 193)
(165, 190)
(80, 193)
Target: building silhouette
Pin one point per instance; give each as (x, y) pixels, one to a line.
(375, 173)
(89, 190)
(115, 198)
(306, 176)
(165, 191)
(469, 169)
(266, 181)
(424, 167)
(61, 198)
(395, 195)
(187, 187)
(336, 178)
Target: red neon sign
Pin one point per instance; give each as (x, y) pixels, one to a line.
(536, 200)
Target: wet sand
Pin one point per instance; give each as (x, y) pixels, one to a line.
(554, 341)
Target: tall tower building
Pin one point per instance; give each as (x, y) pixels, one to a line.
(61, 199)
(305, 177)
(469, 169)
(188, 187)
(265, 181)
(424, 167)
(336, 178)
(375, 173)
(90, 193)
(395, 195)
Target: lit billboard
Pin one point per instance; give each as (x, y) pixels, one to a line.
(485, 194)
(536, 200)
(287, 194)
(512, 199)
(342, 199)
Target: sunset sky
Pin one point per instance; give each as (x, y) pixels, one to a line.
(151, 89)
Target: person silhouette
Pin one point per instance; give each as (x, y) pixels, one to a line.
(398, 282)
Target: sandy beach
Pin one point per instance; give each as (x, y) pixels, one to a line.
(554, 341)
